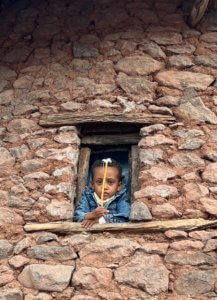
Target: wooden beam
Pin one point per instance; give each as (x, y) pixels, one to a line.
(198, 11)
(101, 117)
(111, 139)
(153, 226)
(83, 167)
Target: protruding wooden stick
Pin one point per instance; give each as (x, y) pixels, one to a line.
(153, 226)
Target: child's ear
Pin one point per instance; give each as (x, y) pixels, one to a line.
(91, 184)
(119, 185)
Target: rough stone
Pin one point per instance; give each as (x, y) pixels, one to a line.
(22, 109)
(145, 272)
(150, 156)
(6, 97)
(209, 37)
(135, 85)
(180, 61)
(6, 160)
(184, 79)
(155, 248)
(6, 73)
(144, 131)
(67, 138)
(32, 165)
(153, 50)
(89, 278)
(22, 245)
(9, 216)
(193, 108)
(6, 275)
(44, 237)
(72, 106)
(158, 139)
(181, 49)
(186, 245)
(46, 277)
(165, 211)
(186, 160)
(192, 144)
(168, 100)
(140, 212)
(211, 245)
(19, 152)
(22, 126)
(193, 258)
(24, 82)
(84, 50)
(210, 173)
(16, 55)
(209, 205)
(173, 234)
(45, 252)
(203, 235)
(40, 296)
(98, 103)
(138, 65)
(18, 261)
(163, 110)
(60, 210)
(11, 294)
(163, 190)
(162, 173)
(165, 38)
(195, 283)
(207, 61)
(188, 134)
(6, 249)
(104, 252)
(35, 175)
(194, 191)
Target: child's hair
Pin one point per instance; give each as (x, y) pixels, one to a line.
(114, 164)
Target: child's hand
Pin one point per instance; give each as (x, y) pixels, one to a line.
(99, 212)
(89, 223)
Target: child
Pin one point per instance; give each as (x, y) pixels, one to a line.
(116, 207)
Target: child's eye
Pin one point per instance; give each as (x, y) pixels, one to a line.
(110, 182)
(98, 181)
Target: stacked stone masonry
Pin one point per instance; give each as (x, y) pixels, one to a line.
(128, 56)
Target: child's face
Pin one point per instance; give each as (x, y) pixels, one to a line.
(112, 184)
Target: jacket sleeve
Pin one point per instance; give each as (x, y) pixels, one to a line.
(122, 214)
(82, 208)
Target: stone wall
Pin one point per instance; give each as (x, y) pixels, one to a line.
(122, 56)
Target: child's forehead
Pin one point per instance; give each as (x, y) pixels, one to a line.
(110, 171)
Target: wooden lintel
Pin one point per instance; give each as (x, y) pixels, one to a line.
(153, 226)
(111, 139)
(82, 118)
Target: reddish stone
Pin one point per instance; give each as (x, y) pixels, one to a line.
(158, 139)
(165, 211)
(210, 173)
(18, 261)
(209, 205)
(186, 245)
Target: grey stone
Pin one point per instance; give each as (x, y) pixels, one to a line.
(81, 65)
(21, 202)
(44, 237)
(181, 49)
(20, 126)
(193, 258)
(165, 211)
(6, 249)
(61, 210)
(195, 283)
(209, 37)
(161, 190)
(35, 175)
(211, 155)
(188, 134)
(160, 110)
(168, 101)
(6, 159)
(153, 49)
(101, 103)
(138, 65)
(32, 165)
(46, 277)
(165, 38)
(6, 97)
(6, 73)
(16, 55)
(207, 61)
(184, 79)
(144, 131)
(180, 61)
(22, 245)
(22, 109)
(19, 152)
(72, 106)
(211, 245)
(210, 173)
(24, 82)
(192, 144)
(135, 85)
(140, 212)
(186, 160)
(3, 84)
(145, 272)
(11, 294)
(44, 252)
(150, 156)
(84, 50)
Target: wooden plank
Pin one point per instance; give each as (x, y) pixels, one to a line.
(153, 226)
(111, 139)
(101, 117)
(134, 170)
(198, 11)
(83, 166)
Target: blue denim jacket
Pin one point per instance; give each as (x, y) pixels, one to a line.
(119, 208)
